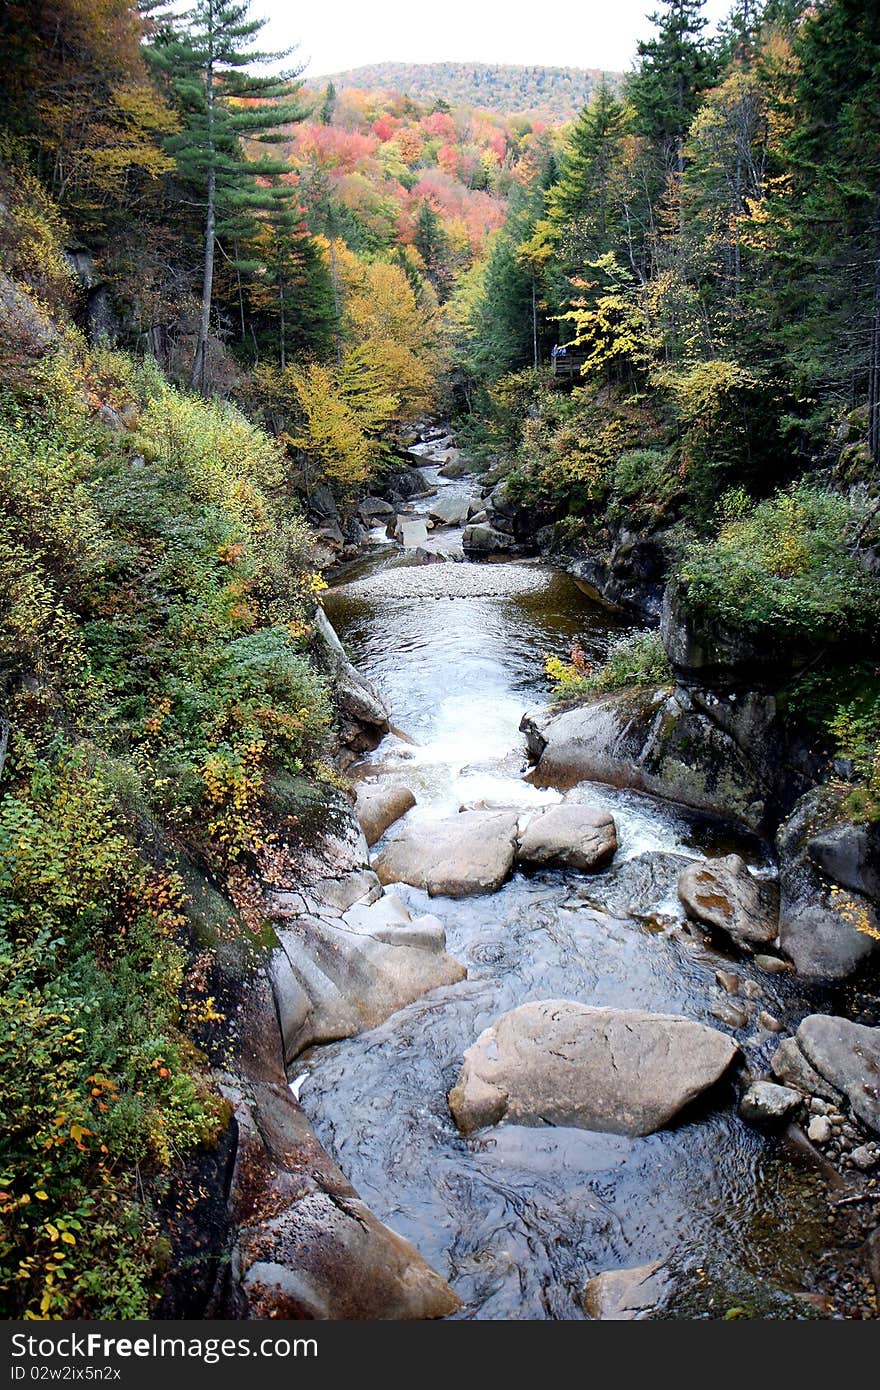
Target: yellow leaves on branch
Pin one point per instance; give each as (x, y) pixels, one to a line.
(332, 432)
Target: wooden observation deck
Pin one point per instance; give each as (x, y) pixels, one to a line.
(566, 363)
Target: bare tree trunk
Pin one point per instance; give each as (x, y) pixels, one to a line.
(283, 325)
(534, 322)
(197, 375)
(874, 369)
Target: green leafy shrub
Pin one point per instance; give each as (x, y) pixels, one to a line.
(785, 568)
(634, 661)
(97, 1083)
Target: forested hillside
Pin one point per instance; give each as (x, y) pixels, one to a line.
(706, 247)
(556, 93)
(228, 303)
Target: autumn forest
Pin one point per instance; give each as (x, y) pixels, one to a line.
(634, 319)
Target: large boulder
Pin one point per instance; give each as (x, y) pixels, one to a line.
(449, 511)
(375, 511)
(847, 1055)
(559, 1062)
(828, 930)
(848, 854)
(722, 894)
(791, 1068)
(379, 804)
(456, 466)
(482, 539)
(625, 1295)
(472, 852)
(707, 753)
(411, 532)
(627, 572)
(335, 974)
(568, 837)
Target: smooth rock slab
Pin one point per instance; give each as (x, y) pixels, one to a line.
(568, 837)
(411, 534)
(847, 1055)
(333, 978)
(450, 511)
(564, 1063)
(721, 893)
(472, 852)
(624, 1295)
(379, 805)
(789, 1065)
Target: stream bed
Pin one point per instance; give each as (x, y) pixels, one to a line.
(517, 1219)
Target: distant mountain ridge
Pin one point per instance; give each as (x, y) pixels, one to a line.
(557, 92)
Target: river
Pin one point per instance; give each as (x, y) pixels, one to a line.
(518, 1218)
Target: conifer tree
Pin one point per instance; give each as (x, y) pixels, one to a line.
(208, 59)
(587, 162)
(677, 67)
(834, 152)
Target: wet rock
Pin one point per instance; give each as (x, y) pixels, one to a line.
(363, 717)
(379, 805)
(847, 1055)
(865, 1157)
(824, 927)
(375, 511)
(819, 1129)
(767, 1103)
(768, 1022)
(721, 893)
(790, 1066)
(569, 837)
(472, 852)
(772, 965)
(334, 977)
(306, 1246)
(455, 467)
(424, 555)
(449, 511)
(656, 742)
(728, 981)
(624, 1295)
(482, 539)
(563, 1063)
(734, 1015)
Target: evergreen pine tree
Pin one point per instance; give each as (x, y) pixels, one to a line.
(834, 151)
(432, 244)
(587, 162)
(207, 56)
(677, 67)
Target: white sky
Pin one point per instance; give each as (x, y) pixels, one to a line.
(338, 34)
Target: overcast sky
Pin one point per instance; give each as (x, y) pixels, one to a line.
(337, 34)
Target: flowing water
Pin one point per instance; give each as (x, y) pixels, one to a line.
(518, 1218)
